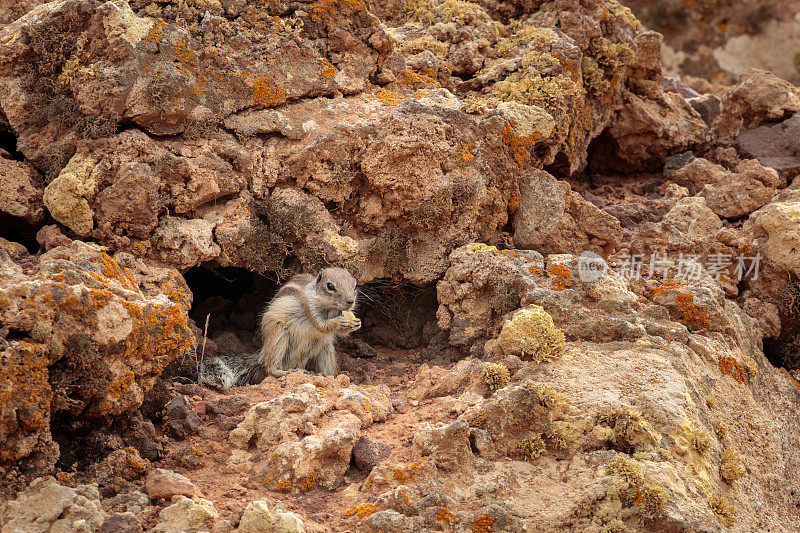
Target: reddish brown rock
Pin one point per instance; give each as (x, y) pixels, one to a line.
(52, 236)
(21, 190)
(121, 523)
(728, 194)
(774, 145)
(181, 419)
(757, 98)
(90, 342)
(652, 124)
(165, 484)
(551, 218)
(368, 453)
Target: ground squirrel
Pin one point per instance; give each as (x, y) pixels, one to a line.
(298, 328)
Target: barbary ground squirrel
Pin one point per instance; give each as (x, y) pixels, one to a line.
(298, 328)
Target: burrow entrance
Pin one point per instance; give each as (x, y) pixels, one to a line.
(785, 350)
(394, 315)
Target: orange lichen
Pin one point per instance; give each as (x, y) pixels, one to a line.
(445, 516)
(694, 316)
(483, 524)
(23, 382)
(283, 485)
(404, 494)
(155, 33)
(362, 511)
(66, 478)
(562, 279)
(517, 144)
(402, 474)
(511, 254)
(113, 271)
(409, 78)
(182, 54)
(329, 71)
(322, 10)
(729, 365)
(666, 287)
(267, 93)
(308, 482)
(389, 97)
(466, 154)
(131, 458)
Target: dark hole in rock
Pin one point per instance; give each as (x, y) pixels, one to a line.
(17, 230)
(785, 350)
(394, 315)
(8, 141)
(84, 441)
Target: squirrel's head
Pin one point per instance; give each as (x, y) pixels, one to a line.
(336, 289)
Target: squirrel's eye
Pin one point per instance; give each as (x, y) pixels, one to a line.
(331, 287)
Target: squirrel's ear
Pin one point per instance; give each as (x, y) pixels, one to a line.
(319, 277)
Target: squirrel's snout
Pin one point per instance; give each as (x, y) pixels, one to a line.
(350, 301)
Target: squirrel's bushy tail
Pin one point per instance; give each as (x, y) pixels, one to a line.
(225, 371)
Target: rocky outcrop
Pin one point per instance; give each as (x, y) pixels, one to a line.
(586, 230)
(718, 41)
(84, 334)
(49, 506)
(652, 124)
(305, 438)
(195, 143)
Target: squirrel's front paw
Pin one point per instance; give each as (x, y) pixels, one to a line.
(348, 321)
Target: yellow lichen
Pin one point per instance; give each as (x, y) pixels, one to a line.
(531, 334)
(722, 508)
(698, 439)
(531, 447)
(615, 525)
(463, 12)
(476, 247)
(631, 430)
(652, 500)
(720, 429)
(629, 470)
(418, 11)
(523, 37)
(496, 375)
(730, 465)
(548, 396)
(631, 485)
(420, 44)
(560, 435)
